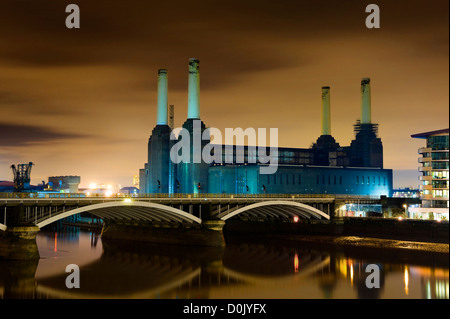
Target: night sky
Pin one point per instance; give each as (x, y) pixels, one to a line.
(83, 101)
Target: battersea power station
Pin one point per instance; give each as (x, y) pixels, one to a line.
(324, 168)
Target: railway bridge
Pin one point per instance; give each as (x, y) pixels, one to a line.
(179, 219)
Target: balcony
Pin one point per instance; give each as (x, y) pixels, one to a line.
(424, 159)
(424, 150)
(425, 178)
(423, 187)
(425, 169)
(426, 197)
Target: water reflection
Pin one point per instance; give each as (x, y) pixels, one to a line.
(245, 268)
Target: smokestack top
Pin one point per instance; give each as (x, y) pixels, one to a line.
(366, 107)
(161, 115)
(194, 65)
(326, 112)
(194, 89)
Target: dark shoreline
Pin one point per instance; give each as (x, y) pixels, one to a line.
(369, 242)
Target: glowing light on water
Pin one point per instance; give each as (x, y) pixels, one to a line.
(406, 278)
(351, 274)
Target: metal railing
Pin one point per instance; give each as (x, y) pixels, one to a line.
(39, 195)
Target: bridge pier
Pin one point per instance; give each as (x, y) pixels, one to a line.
(208, 233)
(18, 242)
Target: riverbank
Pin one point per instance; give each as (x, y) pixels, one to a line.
(366, 233)
(368, 242)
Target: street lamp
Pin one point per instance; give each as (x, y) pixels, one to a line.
(406, 210)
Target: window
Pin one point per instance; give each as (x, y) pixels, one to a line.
(439, 174)
(340, 180)
(439, 142)
(357, 180)
(439, 156)
(440, 184)
(439, 165)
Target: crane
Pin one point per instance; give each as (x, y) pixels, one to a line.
(22, 177)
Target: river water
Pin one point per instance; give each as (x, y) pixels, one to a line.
(245, 268)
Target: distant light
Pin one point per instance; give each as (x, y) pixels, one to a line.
(108, 193)
(93, 186)
(295, 219)
(127, 200)
(109, 186)
(400, 218)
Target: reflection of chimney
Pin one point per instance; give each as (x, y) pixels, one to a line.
(326, 116)
(366, 117)
(194, 89)
(161, 116)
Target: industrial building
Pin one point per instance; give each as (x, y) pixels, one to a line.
(325, 168)
(64, 184)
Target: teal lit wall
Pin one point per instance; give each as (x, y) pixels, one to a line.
(234, 179)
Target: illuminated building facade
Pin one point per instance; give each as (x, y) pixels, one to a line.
(434, 188)
(325, 168)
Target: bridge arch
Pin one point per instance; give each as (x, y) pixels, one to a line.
(278, 209)
(132, 210)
